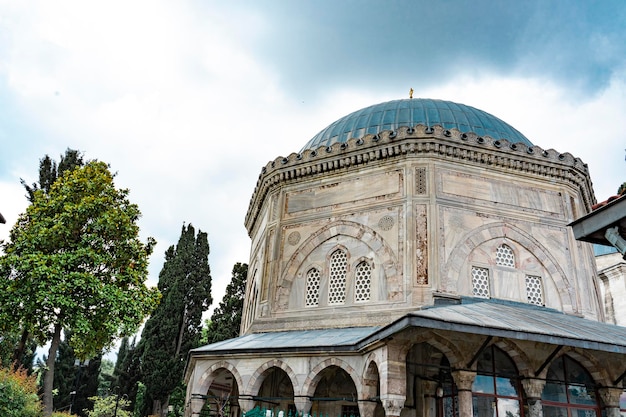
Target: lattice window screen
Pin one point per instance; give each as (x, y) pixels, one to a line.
(337, 281)
(505, 256)
(480, 282)
(534, 290)
(312, 287)
(362, 282)
(420, 180)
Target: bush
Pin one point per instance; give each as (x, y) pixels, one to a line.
(109, 406)
(18, 394)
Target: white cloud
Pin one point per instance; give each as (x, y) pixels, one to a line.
(173, 96)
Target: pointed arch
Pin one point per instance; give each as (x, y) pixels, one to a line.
(205, 380)
(314, 376)
(517, 355)
(256, 380)
(500, 230)
(597, 371)
(392, 270)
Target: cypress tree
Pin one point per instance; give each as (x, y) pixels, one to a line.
(74, 381)
(49, 171)
(226, 319)
(126, 374)
(175, 326)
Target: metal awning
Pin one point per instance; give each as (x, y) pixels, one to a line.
(505, 319)
(593, 226)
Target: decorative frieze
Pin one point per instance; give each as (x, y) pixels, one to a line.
(441, 144)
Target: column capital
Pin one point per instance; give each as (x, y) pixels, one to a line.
(533, 387)
(303, 405)
(429, 387)
(366, 408)
(463, 379)
(610, 396)
(246, 404)
(393, 404)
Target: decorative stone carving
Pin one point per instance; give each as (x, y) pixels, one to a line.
(386, 222)
(610, 396)
(464, 380)
(393, 406)
(293, 238)
(533, 387)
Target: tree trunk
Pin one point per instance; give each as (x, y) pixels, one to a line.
(48, 405)
(18, 353)
(157, 408)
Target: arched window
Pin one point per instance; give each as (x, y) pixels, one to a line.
(496, 389)
(569, 391)
(480, 282)
(505, 256)
(362, 282)
(534, 290)
(312, 287)
(337, 278)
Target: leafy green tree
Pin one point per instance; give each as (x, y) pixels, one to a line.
(226, 319)
(9, 344)
(76, 263)
(175, 326)
(621, 189)
(49, 171)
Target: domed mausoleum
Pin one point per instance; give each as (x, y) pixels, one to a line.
(414, 259)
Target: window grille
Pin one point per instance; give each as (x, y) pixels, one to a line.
(362, 282)
(505, 256)
(534, 291)
(337, 281)
(480, 282)
(312, 287)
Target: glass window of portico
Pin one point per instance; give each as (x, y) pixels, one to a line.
(496, 391)
(570, 391)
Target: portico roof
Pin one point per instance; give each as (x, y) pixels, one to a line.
(511, 320)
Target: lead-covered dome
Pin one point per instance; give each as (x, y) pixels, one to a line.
(410, 112)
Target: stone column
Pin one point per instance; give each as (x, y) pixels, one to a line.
(195, 406)
(610, 400)
(427, 406)
(464, 381)
(393, 404)
(366, 408)
(246, 404)
(392, 373)
(533, 389)
(303, 405)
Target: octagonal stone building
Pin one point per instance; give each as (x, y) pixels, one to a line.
(414, 259)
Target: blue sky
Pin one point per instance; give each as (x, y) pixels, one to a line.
(187, 100)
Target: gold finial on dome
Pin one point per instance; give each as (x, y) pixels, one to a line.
(411, 93)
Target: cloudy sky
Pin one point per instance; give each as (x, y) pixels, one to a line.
(187, 100)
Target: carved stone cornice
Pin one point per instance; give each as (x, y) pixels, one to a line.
(422, 141)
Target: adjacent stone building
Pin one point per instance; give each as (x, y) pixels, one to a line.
(414, 259)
